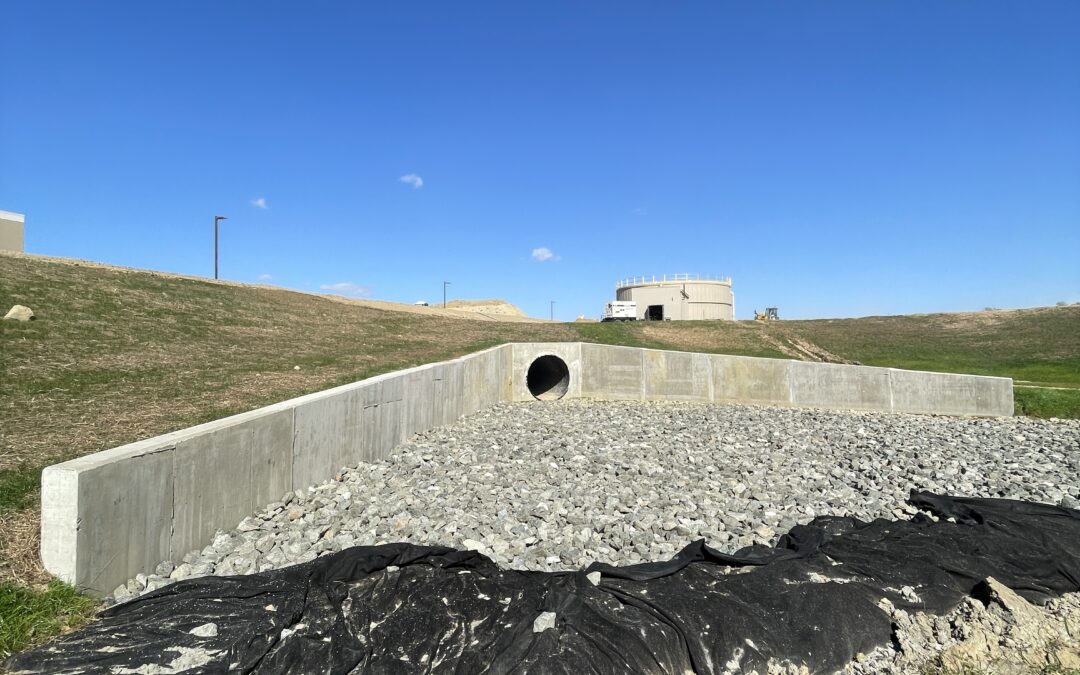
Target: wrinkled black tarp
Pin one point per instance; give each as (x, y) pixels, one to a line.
(811, 600)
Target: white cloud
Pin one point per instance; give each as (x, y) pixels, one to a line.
(259, 203)
(543, 254)
(346, 288)
(412, 179)
(265, 277)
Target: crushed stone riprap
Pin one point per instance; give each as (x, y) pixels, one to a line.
(556, 486)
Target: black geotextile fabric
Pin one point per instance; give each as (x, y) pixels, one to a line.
(811, 600)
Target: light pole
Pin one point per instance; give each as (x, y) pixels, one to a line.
(444, 285)
(552, 310)
(217, 219)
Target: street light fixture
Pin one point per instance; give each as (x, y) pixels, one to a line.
(217, 219)
(444, 285)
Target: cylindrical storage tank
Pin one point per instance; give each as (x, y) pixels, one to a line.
(679, 297)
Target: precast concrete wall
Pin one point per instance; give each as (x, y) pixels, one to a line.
(108, 516)
(630, 373)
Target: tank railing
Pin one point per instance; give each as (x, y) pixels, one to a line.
(634, 281)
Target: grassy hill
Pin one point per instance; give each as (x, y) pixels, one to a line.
(1039, 348)
(117, 355)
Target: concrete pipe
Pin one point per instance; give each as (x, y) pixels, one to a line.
(548, 378)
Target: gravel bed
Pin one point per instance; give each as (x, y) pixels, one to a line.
(556, 486)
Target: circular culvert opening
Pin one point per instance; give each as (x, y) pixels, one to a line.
(548, 378)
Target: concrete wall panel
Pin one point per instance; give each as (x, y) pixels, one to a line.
(527, 352)
(677, 376)
(481, 380)
(432, 395)
(829, 385)
(612, 372)
(449, 386)
(326, 436)
(995, 397)
(506, 363)
(242, 467)
(382, 418)
(950, 394)
(743, 379)
(125, 519)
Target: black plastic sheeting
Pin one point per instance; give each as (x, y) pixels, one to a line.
(812, 600)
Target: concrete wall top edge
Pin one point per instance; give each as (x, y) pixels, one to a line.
(171, 439)
(939, 372)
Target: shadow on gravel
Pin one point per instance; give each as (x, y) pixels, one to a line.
(812, 600)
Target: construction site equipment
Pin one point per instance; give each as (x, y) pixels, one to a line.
(620, 310)
(770, 314)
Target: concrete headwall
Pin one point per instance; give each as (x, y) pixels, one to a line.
(110, 515)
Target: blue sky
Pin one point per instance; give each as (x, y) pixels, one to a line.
(834, 158)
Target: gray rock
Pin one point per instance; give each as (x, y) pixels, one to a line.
(20, 313)
(122, 593)
(559, 487)
(543, 622)
(205, 630)
(249, 524)
(181, 572)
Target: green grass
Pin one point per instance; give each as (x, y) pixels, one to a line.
(1042, 345)
(29, 617)
(615, 333)
(17, 487)
(718, 337)
(1034, 402)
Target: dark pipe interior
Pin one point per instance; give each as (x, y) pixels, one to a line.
(548, 378)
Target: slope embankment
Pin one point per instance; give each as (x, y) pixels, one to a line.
(116, 355)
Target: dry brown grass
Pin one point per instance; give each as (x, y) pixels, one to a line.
(116, 356)
(19, 541)
(730, 337)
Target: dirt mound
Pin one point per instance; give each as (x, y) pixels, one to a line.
(491, 307)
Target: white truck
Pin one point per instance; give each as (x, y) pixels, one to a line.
(620, 310)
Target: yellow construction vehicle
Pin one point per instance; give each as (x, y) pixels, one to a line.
(770, 314)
